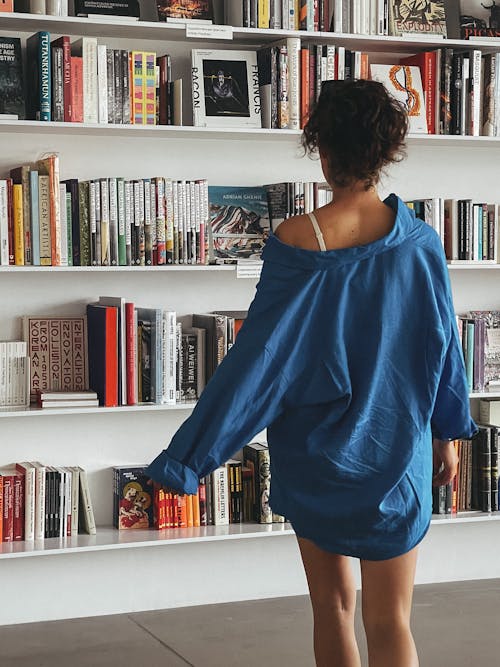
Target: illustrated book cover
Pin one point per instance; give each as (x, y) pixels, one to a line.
(404, 82)
(239, 222)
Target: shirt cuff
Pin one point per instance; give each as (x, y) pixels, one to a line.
(466, 433)
(172, 474)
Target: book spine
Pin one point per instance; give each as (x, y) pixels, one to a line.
(40, 492)
(129, 220)
(18, 502)
(87, 503)
(113, 222)
(45, 71)
(283, 88)
(76, 89)
(293, 51)
(57, 91)
(446, 91)
(476, 80)
(8, 508)
(117, 87)
(4, 223)
(149, 88)
(120, 203)
(485, 472)
(18, 224)
(102, 83)
(131, 353)
(90, 85)
(83, 195)
(35, 217)
(202, 498)
(220, 496)
(110, 80)
(494, 469)
(64, 225)
(125, 91)
(137, 95)
(95, 254)
(148, 228)
(161, 242)
(105, 223)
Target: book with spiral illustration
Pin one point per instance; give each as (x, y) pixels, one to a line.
(404, 82)
(417, 16)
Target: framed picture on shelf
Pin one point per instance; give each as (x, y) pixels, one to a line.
(225, 86)
(187, 10)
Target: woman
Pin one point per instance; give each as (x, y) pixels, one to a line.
(350, 357)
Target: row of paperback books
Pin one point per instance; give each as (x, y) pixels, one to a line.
(468, 230)
(87, 82)
(479, 333)
(126, 354)
(295, 198)
(102, 222)
(475, 486)
(14, 373)
(236, 492)
(39, 501)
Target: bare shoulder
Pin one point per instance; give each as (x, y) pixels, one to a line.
(291, 230)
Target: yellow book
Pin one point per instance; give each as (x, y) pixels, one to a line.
(189, 511)
(264, 14)
(296, 14)
(196, 510)
(18, 225)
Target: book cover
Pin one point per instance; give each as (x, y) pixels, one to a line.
(479, 19)
(12, 94)
(39, 84)
(86, 511)
(256, 457)
(239, 222)
(185, 9)
(225, 88)
(408, 16)
(491, 343)
(107, 7)
(405, 84)
(103, 352)
(134, 507)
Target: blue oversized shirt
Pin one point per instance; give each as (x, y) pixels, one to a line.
(351, 359)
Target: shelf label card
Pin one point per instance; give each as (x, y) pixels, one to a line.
(209, 31)
(249, 268)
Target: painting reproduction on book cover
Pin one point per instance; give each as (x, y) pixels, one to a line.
(479, 19)
(185, 9)
(417, 16)
(404, 82)
(239, 222)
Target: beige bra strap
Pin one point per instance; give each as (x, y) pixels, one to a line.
(317, 231)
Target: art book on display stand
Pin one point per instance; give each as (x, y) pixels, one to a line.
(225, 86)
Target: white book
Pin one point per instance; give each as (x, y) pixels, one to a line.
(451, 206)
(497, 91)
(394, 78)
(64, 224)
(75, 496)
(285, 14)
(337, 16)
(37, 7)
(113, 221)
(102, 83)
(47, 395)
(220, 496)
(4, 224)
(119, 302)
(85, 403)
(28, 469)
(225, 88)
(40, 472)
(477, 93)
(293, 49)
(169, 357)
(87, 512)
(276, 17)
(57, 7)
(465, 120)
(87, 48)
(169, 220)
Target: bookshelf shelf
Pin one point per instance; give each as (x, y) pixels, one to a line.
(108, 539)
(114, 269)
(111, 131)
(152, 30)
(38, 412)
(111, 538)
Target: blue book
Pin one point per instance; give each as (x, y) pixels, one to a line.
(39, 86)
(35, 219)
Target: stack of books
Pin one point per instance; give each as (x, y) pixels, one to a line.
(67, 399)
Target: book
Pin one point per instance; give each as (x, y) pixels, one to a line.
(225, 88)
(103, 364)
(39, 77)
(407, 16)
(478, 19)
(57, 348)
(122, 8)
(256, 457)
(404, 82)
(86, 511)
(220, 496)
(12, 95)
(28, 470)
(427, 63)
(49, 166)
(133, 506)
(235, 490)
(86, 48)
(185, 9)
(239, 222)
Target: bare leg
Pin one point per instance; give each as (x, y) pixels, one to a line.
(387, 596)
(333, 598)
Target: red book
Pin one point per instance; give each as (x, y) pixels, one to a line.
(316, 15)
(365, 69)
(426, 61)
(202, 495)
(304, 86)
(18, 507)
(102, 322)
(76, 89)
(131, 352)
(6, 6)
(8, 506)
(1, 509)
(64, 43)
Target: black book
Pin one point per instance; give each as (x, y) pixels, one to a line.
(277, 203)
(267, 62)
(12, 99)
(235, 491)
(457, 93)
(107, 7)
(494, 468)
(72, 188)
(445, 90)
(118, 87)
(57, 84)
(189, 353)
(39, 93)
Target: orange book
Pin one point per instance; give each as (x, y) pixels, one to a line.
(304, 86)
(6, 6)
(181, 511)
(50, 167)
(365, 67)
(189, 511)
(76, 80)
(168, 510)
(18, 224)
(196, 509)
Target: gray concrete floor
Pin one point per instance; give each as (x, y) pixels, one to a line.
(455, 625)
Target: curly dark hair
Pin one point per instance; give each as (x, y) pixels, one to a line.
(358, 128)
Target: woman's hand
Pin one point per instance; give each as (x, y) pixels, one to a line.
(445, 457)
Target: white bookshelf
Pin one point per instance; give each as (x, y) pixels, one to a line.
(48, 412)
(212, 564)
(110, 539)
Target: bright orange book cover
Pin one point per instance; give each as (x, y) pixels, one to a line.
(196, 509)
(189, 511)
(6, 6)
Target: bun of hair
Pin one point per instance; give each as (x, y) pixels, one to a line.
(358, 128)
